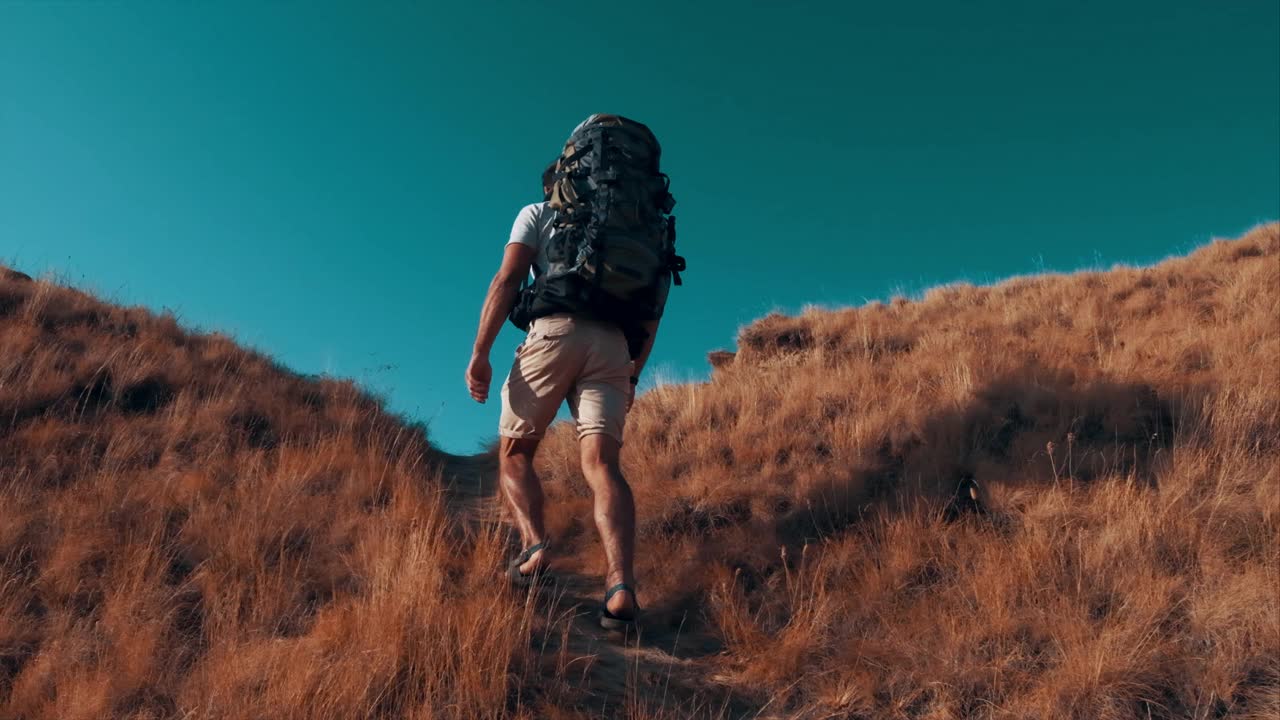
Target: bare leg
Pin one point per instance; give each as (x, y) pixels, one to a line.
(523, 493)
(615, 515)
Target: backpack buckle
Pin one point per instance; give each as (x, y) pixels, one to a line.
(677, 265)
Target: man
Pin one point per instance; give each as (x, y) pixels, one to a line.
(594, 364)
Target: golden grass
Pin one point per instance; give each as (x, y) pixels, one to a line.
(1123, 428)
(186, 530)
(189, 531)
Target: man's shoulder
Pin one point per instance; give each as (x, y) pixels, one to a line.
(538, 216)
(536, 210)
(532, 223)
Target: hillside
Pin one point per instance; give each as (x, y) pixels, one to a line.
(187, 530)
(809, 505)
(1055, 497)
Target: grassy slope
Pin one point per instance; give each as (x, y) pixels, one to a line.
(187, 530)
(1124, 429)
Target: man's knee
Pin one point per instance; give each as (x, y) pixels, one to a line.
(602, 471)
(600, 458)
(515, 455)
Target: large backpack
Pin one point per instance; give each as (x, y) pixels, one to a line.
(613, 255)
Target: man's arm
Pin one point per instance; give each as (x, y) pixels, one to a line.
(651, 334)
(516, 260)
(646, 347)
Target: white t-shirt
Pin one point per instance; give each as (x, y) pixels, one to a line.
(534, 227)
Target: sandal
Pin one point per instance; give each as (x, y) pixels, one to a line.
(608, 620)
(519, 579)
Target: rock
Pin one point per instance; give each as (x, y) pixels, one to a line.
(721, 359)
(13, 275)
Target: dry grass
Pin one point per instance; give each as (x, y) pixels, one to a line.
(187, 530)
(1123, 428)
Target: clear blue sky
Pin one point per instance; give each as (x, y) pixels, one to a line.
(333, 184)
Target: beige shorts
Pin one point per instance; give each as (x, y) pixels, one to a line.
(564, 357)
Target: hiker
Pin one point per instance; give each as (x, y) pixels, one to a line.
(601, 248)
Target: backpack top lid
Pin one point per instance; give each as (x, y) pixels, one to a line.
(607, 120)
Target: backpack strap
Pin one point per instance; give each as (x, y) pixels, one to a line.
(578, 152)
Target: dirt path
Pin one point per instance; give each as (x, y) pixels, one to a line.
(657, 671)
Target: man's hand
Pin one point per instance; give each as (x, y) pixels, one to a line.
(479, 376)
(637, 363)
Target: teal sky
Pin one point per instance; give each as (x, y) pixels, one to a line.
(333, 184)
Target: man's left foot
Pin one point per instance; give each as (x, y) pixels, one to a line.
(620, 610)
(530, 567)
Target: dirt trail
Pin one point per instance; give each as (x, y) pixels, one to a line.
(657, 671)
